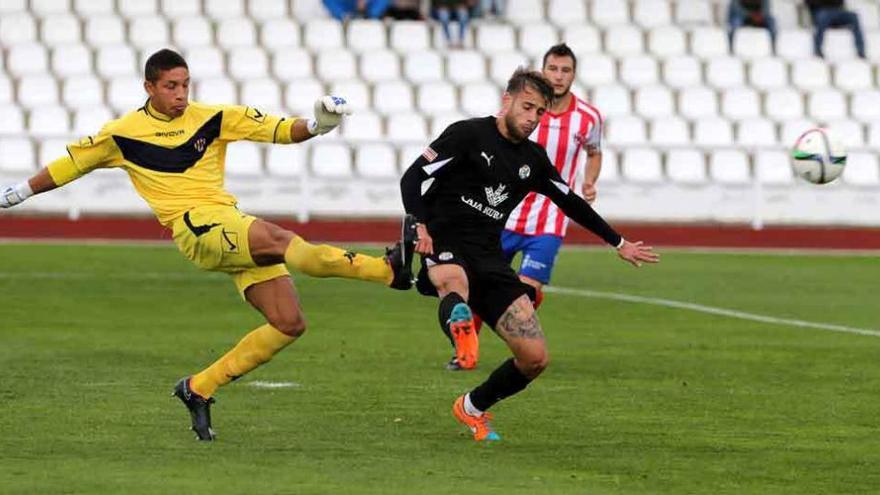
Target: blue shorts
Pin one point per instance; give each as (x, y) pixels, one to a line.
(539, 253)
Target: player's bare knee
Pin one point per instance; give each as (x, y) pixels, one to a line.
(292, 323)
(532, 362)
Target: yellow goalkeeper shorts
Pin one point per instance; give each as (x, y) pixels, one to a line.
(215, 238)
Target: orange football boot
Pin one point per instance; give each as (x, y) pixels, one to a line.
(479, 425)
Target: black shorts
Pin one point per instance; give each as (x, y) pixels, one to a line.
(492, 283)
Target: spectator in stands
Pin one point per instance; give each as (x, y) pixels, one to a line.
(755, 13)
(405, 10)
(443, 10)
(492, 8)
(354, 9)
(831, 14)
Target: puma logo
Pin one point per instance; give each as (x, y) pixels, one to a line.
(488, 158)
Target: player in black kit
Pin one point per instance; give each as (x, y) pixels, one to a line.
(460, 192)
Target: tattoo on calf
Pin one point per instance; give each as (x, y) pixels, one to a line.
(515, 323)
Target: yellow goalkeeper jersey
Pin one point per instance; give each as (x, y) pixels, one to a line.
(175, 164)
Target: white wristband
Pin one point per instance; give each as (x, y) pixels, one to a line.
(312, 126)
(621, 243)
(23, 190)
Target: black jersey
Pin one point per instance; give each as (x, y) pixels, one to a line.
(469, 179)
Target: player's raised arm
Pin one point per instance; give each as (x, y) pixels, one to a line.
(252, 124)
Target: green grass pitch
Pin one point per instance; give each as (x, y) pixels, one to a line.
(638, 399)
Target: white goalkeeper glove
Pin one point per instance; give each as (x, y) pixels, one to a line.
(13, 195)
(328, 114)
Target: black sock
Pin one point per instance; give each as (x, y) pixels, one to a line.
(445, 312)
(505, 381)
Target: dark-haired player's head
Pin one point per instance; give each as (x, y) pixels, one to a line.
(166, 80)
(526, 99)
(559, 68)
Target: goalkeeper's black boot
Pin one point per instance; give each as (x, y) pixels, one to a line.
(199, 409)
(400, 255)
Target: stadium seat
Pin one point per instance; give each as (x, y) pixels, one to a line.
(869, 16)
(330, 160)
(682, 72)
(71, 60)
(220, 10)
(191, 32)
(308, 9)
(262, 93)
(750, 43)
(219, 90)
(321, 34)
(355, 92)
(696, 102)
(442, 121)
(786, 14)
(205, 62)
(366, 35)
(51, 149)
(709, 42)
(567, 12)
(623, 41)
(362, 126)
(132, 9)
(654, 102)
(480, 99)
(88, 8)
(849, 131)
(13, 6)
(251, 63)
(792, 129)
(27, 59)
(872, 45)
(60, 29)
(495, 38)
(376, 161)
(406, 127)
(874, 136)
(669, 131)
(37, 90)
(176, 9)
(639, 71)
(862, 169)
(236, 33)
(300, 96)
(126, 93)
(725, 73)
(465, 66)
(826, 104)
(17, 28)
(756, 132)
(534, 39)
(5, 89)
(89, 120)
(582, 39)
(49, 120)
(44, 8)
(525, 11)
(686, 166)
(436, 98)
(626, 131)
(292, 64)
(286, 161)
(11, 119)
(839, 45)
(740, 103)
(652, 13)
(16, 155)
(610, 173)
(148, 32)
(729, 167)
(711, 132)
(392, 97)
(279, 34)
(336, 65)
(768, 73)
(408, 153)
(243, 159)
(613, 100)
(264, 10)
(795, 44)
(379, 66)
(693, 12)
(772, 168)
(810, 74)
(853, 75)
(608, 13)
(865, 105)
(667, 41)
(113, 61)
(642, 165)
(602, 70)
(783, 104)
(422, 67)
(502, 65)
(409, 36)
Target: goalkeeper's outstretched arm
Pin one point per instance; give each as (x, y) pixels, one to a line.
(56, 174)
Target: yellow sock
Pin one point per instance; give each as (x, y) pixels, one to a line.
(329, 261)
(253, 350)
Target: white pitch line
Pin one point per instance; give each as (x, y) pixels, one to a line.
(669, 303)
(272, 385)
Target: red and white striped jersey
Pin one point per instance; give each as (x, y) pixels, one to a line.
(563, 135)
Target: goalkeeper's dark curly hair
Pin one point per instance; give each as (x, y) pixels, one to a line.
(523, 77)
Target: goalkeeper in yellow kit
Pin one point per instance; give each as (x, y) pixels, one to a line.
(174, 152)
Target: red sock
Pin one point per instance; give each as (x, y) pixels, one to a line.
(478, 323)
(539, 298)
